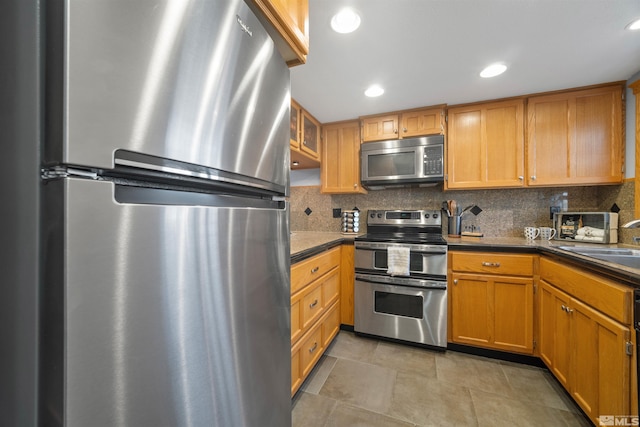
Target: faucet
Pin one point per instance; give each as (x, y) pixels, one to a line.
(632, 224)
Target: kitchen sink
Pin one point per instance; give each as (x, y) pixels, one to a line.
(623, 256)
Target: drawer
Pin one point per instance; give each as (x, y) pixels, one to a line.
(296, 320)
(331, 324)
(611, 298)
(311, 349)
(331, 288)
(492, 263)
(312, 306)
(296, 372)
(305, 272)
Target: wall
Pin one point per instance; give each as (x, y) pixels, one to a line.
(504, 212)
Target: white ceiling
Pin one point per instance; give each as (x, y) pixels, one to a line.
(428, 52)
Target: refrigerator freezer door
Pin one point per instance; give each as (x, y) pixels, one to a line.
(175, 315)
(196, 81)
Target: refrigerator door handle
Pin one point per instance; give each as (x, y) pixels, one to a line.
(126, 194)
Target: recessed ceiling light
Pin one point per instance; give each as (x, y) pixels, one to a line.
(373, 91)
(634, 25)
(345, 21)
(493, 70)
(296, 163)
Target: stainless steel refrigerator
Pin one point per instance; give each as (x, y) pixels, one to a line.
(146, 258)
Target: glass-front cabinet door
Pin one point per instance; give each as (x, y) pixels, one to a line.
(294, 125)
(310, 135)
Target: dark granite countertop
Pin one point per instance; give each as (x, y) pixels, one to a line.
(305, 244)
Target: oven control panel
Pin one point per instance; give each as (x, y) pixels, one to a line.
(402, 217)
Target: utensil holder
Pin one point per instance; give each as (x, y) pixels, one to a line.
(455, 225)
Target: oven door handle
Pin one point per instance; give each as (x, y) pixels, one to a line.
(402, 281)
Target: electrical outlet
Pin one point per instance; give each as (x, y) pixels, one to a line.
(552, 210)
(337, 213)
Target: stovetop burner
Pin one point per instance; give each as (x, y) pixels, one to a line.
(402, 226)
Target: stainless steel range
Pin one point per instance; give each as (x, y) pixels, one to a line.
(401, 277)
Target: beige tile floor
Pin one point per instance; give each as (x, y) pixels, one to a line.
(363, 382)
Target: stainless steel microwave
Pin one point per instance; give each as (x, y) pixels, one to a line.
(402, 162)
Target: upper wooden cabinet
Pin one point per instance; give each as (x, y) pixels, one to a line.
(310, 131)
(288, 23)
(340, 166)
(294, 125)
(485, 145)
(379, 128)
(426, 121)
(575, 137)
(305, 139)
(405, 124)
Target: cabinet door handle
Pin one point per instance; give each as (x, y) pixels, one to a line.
(315, 270)
(521, 178)
(490, 264)
(312, 349)
(563, 307)
(395, 131)
(455, 281)
(569, 310)
(533, 177)
(404, 130)
(313, 304)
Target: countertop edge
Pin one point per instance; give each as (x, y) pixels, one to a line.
(613, 271)
(316, 242)
(307, 244)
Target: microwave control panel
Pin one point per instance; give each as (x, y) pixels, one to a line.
(433, 161)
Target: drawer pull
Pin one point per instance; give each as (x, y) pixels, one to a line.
(312, 349)
(315, 270)
(313, 304)
(566, 308)
(491, 264)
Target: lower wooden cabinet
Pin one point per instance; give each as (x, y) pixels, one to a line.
(315, 311)
(491, 301)
(347, 280)
(307, 351)
(587, 350)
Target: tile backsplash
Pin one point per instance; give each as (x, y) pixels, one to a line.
(505, 212)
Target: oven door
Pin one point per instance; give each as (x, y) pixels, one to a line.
(425, 260)
(411, 310)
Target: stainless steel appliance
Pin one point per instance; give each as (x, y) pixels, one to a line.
(161, 256)
(403, 162)
(412, 306)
